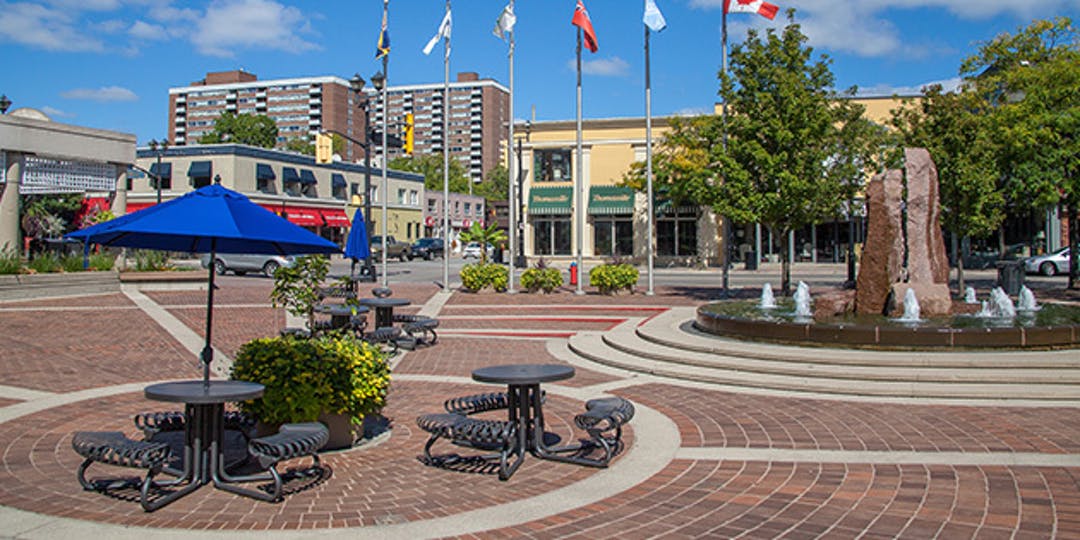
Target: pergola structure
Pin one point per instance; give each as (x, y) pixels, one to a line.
(38, 155)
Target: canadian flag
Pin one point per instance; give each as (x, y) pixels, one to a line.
(760, 7)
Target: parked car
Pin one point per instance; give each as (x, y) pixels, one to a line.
(241, 264)
(428, 248)
(1049, 264)
(472, 249)
(400, 250)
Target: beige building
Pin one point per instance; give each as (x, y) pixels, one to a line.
(291, 185)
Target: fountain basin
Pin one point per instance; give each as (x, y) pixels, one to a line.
(1054, 326)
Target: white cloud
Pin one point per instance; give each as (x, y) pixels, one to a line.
(862, 27)
(86, 5)
(147, 31)
(38, 26)
(105, 93)
(53, 112)
(604, 67)
(233, 24)
(947, 85)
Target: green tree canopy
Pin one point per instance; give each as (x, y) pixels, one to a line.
(304, 145)
(496, 187)
(254, 130)
(431, 166)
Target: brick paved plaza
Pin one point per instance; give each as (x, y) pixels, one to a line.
(700, 461)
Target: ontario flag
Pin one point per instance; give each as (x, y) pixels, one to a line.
(760, 7)
(582, 21)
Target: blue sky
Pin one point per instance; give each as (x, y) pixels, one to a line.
(109, 63)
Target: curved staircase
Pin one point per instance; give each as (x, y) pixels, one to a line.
(667, 346)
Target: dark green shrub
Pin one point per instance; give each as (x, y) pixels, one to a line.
(45, 263)
(612, 278)
(72, 263)
(148, 260)
(102, 261)
(544, 279)
(10, 262)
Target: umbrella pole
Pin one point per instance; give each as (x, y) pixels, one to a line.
(208, 351)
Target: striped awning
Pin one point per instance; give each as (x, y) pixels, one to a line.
(609, 200)
(550, 200)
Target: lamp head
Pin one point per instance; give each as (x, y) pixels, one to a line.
(357, 83)
(4, 103)
(378, 80)
(153, 144)
(217, 178)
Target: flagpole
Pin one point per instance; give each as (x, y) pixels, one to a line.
(578, 199)
(512, 229)
(446, 156)
(726, 225)
(648, 162)
(385, 182)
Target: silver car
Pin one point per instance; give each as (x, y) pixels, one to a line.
(242, 263)
(1049, 264)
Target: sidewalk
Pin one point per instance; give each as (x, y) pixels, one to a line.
(699, 462)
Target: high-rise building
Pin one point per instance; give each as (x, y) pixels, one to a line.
(300, 107)
(479, 112)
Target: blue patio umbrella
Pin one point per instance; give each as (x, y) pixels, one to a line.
(356, 245)
(210, 220)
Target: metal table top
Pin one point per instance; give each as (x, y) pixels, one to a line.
(523, 373)
(383, 302)
(198, 392)
(340, 309)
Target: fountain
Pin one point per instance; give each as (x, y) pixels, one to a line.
(1027, 300)
(893, 305)
(768, 301)
(802, 301)
(911, 308)
(969, 296)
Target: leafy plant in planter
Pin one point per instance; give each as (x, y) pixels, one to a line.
(484, 236)
(612, 278)
(305, 378)
(541, 278)
(297, 287)
(477, 277)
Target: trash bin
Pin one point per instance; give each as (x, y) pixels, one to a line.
(751, 260)
(1010, 276)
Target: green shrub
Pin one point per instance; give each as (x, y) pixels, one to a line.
(45, 263)
(477, 277)
(148, 260)
(541, 279)
(102, 261)
(10, 262)
(611, 278)
(307, 377)
(72, 263)
(296, 287)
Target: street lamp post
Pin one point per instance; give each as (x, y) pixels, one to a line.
(158, 148)
(378, 80)
(4, 103)
(357, 84)
(520, 258)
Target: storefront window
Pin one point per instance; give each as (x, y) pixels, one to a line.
(614, 236)
(676, 235)
(551, 235)
(552, 166)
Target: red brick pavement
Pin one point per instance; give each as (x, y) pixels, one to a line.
(6, 402)
(233, 326)
(59, 351)
(96, 300)
(568, 323)
(384, 483)
(458, 357)
(727, 499)
(714, 418)
(665, 296)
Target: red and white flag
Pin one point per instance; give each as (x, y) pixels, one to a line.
(582, 21)
(760, 7)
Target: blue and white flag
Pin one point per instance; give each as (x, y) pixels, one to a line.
(443, 32)
(653, 18)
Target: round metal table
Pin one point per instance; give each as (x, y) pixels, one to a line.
(340, 314)
(384, 309)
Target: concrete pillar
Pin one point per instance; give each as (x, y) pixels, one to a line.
(119, 202)
(9, 202)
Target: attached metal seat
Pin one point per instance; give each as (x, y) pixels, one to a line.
(386, 335)
(420, 327)
(115, 448)
(495, 435)
(291, 441)
(603, 419)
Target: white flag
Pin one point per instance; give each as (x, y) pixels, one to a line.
(444, 32)
(653, 18)
(505, 23)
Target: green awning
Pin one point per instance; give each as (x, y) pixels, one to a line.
(608, 200)
(667, 206)
(550, 200)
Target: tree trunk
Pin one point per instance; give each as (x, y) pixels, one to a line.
(1073, 240)
(1001, 242)
(960, 275)
(785, 264)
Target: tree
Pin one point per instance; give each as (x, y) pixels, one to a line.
(254, 130)
(949, 125)
(303, 145)
(431, 167)
(781, 166)
(496, 187)
(490, 235)
(1029, 82)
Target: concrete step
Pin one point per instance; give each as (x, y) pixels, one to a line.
(672, 329)
(591, 346)
(625, 338)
